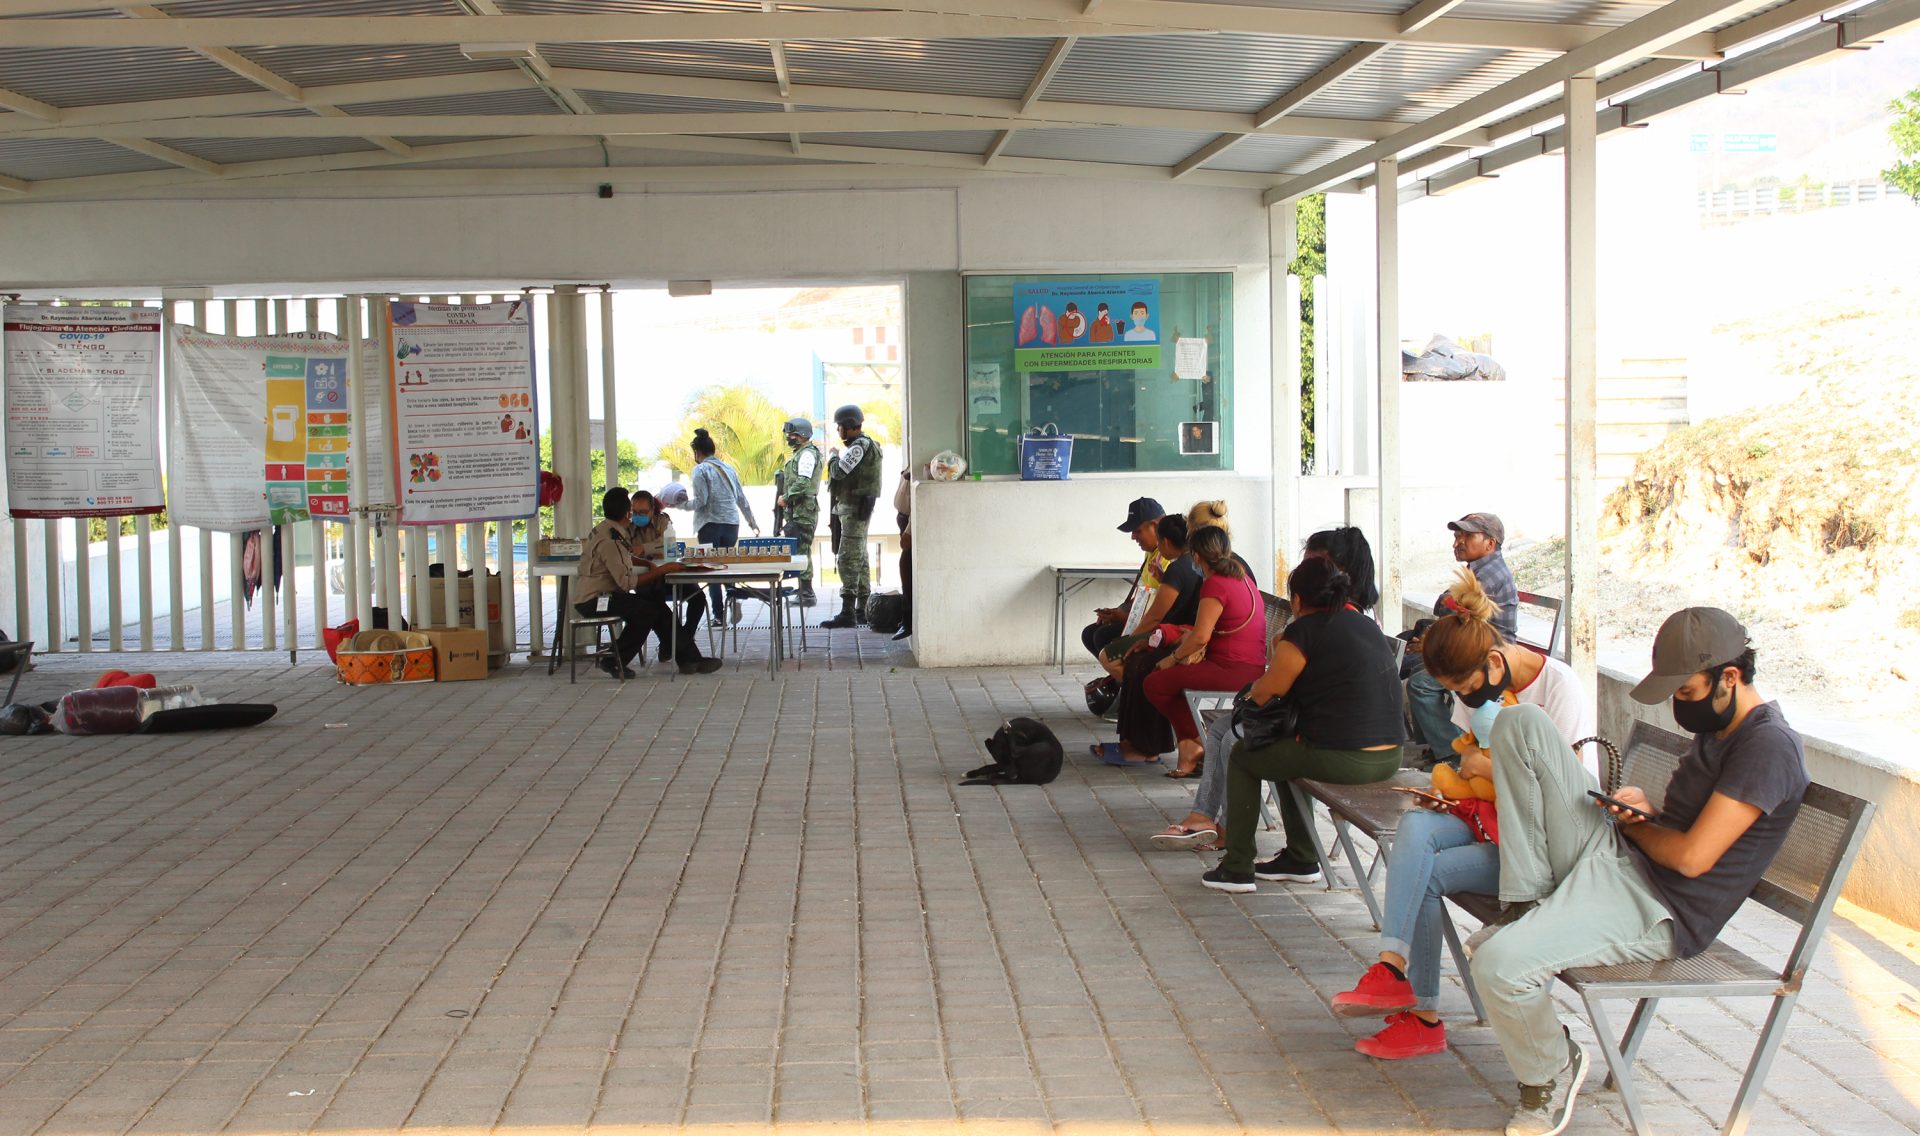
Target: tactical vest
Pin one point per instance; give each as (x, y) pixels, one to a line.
(864, 481)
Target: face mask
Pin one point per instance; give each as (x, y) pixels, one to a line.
(1700, 717)
(642, 522)
(1490, 691)
(1483, 716)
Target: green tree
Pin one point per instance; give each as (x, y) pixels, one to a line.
(1904, 175)
(1309, 261)
(745, 426)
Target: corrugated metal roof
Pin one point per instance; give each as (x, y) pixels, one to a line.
(1239, 73)
(620, 102)
(77, 77)
(997, 68)
(229, 150)
(324, 66)
(1611, 13)
(291, 9)
(533, 100)
(1410, 82)
(703, 60)
(40, 159)
(1129, 146)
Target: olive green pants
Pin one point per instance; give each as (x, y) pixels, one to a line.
(1282, 762)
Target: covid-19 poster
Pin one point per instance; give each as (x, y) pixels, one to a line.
(466, 438)
(83, 410)
(1068, 325)
(258, 428)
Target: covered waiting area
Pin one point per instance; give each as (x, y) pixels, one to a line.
(519, 904)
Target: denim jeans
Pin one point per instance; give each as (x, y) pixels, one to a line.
(1210, 796)
(1432, 719)
(1434, 855)
(719, 536)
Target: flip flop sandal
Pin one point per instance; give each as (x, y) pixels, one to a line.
(1181, 839)
(1187, 776)
(1108, 752)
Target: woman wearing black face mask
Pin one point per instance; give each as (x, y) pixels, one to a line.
(1435, 854)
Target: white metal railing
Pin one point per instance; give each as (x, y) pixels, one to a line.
(1730, 204)
(165, 592)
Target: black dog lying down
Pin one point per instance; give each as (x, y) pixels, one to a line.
(1024, 752)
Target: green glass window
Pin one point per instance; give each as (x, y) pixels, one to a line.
(1095, 356)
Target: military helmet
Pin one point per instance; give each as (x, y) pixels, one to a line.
(849, 415)
(797, 428)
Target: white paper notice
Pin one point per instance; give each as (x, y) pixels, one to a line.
(983, 389)
(466, 443)
(83, 413)
(1189, 358)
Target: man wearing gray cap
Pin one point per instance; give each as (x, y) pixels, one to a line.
(1477, 538)
(1588, 884)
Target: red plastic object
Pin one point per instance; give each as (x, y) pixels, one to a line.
(109, 678)
(551, 487)
(332, 637)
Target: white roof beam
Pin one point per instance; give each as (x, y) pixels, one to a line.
(170, 155)
(1677, 20)
(705, 122)
(998, 148)
(535, 67)
(14, 184)
(1425, 13)
(1049, 67)
(481, 82)
(1118, 18)
(32, 108)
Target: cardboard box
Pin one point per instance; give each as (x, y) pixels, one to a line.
(459, 653)
(558, 548)
(496, 630)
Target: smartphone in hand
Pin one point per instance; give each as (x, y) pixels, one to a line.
(1617, 803)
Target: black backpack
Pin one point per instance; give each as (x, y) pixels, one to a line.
(1024, 752)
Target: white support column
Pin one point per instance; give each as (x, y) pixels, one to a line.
(1284, 319)
(269, 547)
(1583, 512)
(143, 553)
(580, 468)
(116, 609)
(1386, 222)
(359, 602)
(609, 389)
(82, 586)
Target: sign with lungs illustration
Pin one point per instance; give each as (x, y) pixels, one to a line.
(1072, 325)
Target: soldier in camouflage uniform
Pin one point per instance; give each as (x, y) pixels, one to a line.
(853, 485)
(800, 497)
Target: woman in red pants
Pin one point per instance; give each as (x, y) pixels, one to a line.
(1226, 650)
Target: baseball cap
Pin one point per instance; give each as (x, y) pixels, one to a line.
(1689, 642)
(1142, 510)
(1485, 523)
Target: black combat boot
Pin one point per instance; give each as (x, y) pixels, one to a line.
(804, 595)
(846, 618)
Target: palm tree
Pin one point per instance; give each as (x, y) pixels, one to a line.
(745, 426)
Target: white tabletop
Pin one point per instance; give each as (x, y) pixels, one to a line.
(1095, 569)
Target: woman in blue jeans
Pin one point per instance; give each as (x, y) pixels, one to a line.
(1435, 854)
(718, 502)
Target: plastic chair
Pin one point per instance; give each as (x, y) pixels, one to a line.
(604, 638)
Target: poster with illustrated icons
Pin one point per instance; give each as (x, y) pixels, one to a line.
(259, 426)
(466, 424)
(1073, 325)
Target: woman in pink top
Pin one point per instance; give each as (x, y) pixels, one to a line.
(1225, 650)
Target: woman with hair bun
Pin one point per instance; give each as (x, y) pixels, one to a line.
(1435, 854)
(1206, 513)
(1336, 666)
(718, 501)
(1224, 649)
(1348, 547)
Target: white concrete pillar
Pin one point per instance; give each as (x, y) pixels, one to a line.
(609, 389)
(1583, 509)
(1284, 291)
(1386, 227)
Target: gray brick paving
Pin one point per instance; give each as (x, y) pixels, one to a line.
(525, 905)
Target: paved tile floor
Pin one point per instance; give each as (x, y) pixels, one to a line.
(521, 905)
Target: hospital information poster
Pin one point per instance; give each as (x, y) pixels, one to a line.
(466, 439)
(83, 410)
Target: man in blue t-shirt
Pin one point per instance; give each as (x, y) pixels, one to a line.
(1477, 538)
(1587, 884)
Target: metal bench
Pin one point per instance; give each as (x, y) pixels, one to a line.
(1553, 646)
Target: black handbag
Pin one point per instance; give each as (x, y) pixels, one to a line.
(1262, 725)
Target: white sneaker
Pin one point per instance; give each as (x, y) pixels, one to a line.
(1546, 1110)
(734, 608)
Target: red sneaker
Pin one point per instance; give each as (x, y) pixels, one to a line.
(1378, 994)
(1405, 1036)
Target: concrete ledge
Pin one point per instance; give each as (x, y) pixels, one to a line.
(1881, 881)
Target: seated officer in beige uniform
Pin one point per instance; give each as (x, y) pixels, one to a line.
(609, 574)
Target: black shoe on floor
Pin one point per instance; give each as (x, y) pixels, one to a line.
(700, 667)
(1286, 869)
(903, 633)
(613, 669)
(1219, 879)
(844, 619)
